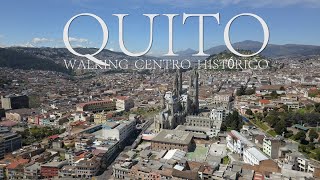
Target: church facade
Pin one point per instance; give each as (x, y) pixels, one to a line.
(179, 103)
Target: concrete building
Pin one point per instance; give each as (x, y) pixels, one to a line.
(124, 103)
(236, 142)
(121, 171)
(300, 163)
(2, 148)
(271, 147)
(172, 139)
(12, 141)
(32, 171)
(83, 142)
(15, 170)
(199, 132)
(3, 171)
(99, 118)
(87, 168)
(222, 98)
(253, 156)
(82, 169)
(2, 113)
(14, 102)
(121, 132)
(68, 171)
(201, 121)
(218, 114)
(51, 169)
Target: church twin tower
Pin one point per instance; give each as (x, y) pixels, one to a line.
(179, 103)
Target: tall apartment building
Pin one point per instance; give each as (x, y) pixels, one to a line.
(237, 143)
(271, 147)
(14, 102)
(2, 113)
(2, 148)
(11, 141)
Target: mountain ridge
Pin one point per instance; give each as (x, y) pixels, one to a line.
(271, 51)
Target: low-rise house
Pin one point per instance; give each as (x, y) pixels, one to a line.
(51, 169)
(253, 156)
(15, 170)
(32, 171)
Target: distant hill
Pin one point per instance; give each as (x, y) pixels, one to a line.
(20, 60)
(220, 61)
(51, 59)
(271, 51)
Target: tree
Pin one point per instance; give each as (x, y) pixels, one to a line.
(250, 91)
(274, 94)
(241, 91)
(249, 112)
(280, 127)
(234, 121)
(301, 135)
(317, 154)
(272, 119)
(317, 107)
(313, 135)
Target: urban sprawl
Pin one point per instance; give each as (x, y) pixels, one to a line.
(177, 124)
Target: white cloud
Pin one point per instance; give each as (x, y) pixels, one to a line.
(52, 42)
(111, 49)
(245, 3)
(38, 40)
(28, 44)
(78, 40)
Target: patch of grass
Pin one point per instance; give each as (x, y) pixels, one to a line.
(261, 125)
(229, 129)
(272, 132)
(226, 160)
(199, 153)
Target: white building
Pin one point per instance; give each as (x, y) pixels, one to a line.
(253, 156)
(236, 142)
(124, 103)
(121, 132)
(224, 97)
(218, 114)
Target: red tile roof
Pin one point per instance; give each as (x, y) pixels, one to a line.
(16, 163)
(264, 101)
(53, 137)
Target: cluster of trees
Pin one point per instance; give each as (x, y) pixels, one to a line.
(36, 134)
(245, 91)
(308, 147)
(233, 121)
(277, 122)
(280, 119)
(301, 136)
